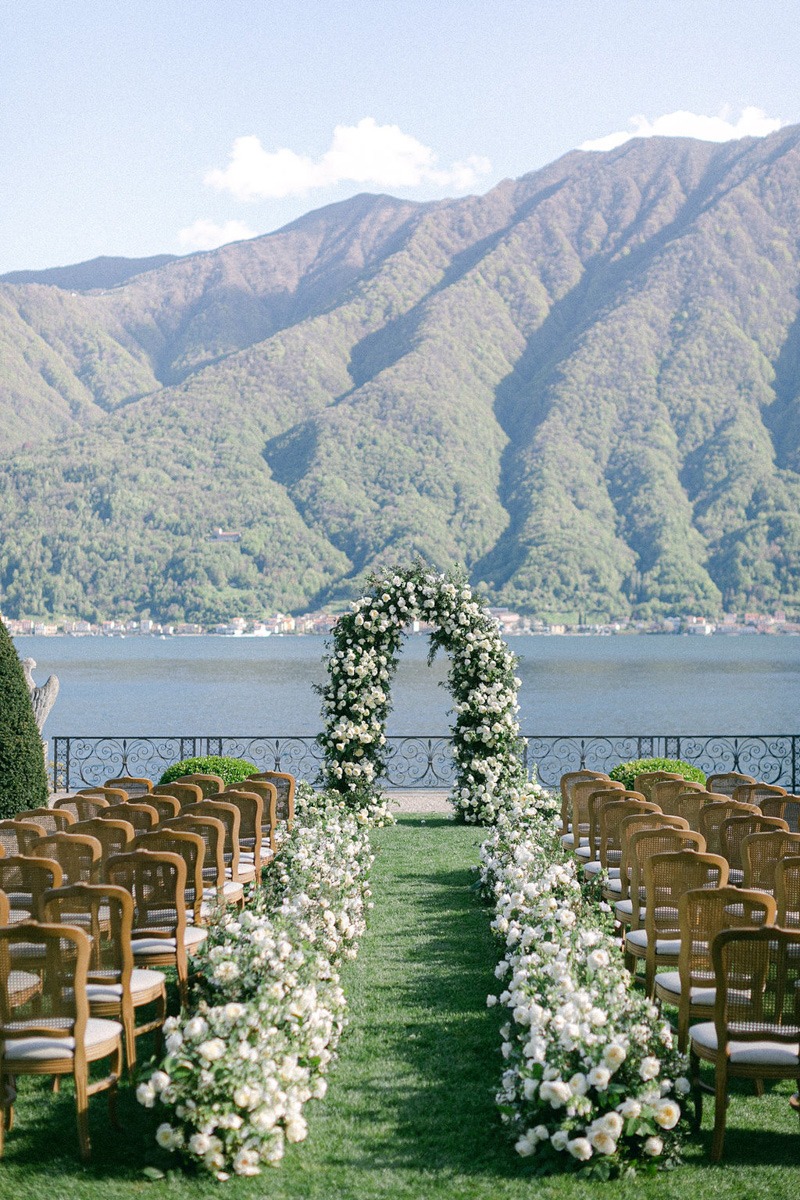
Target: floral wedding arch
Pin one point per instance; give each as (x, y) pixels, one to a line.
(356, 699)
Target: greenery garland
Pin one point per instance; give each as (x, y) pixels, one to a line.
(356, 700)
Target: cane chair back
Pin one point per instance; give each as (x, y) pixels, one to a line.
(611, 817)
(253, 819)
(284, 784)
(734, 830)
(567, 780)
(761, 853)
(216, 889)
(111, 794)
(83, 808)
(209, 784)
(24, 880)
(166, 807)
(712, 815)
(229, 815)
(663, 791)
(726, 781)
(114, 987)
(184, 793)
(755, 1033)
(598, 801)
(688, 804)
(51, 819)
(272, 823)
(755, 793)
(642, 844)
(115, 837)
(141, 816)
(190, 845)
(161, 935)
(629, 825)
(17, 837)
(787, 891)
(581, 791)
(25, 984)
(134, 786)
(702, 914)
(785, 807)
(78, 854)
(55, 1034)
(645, 782)
(667, 878)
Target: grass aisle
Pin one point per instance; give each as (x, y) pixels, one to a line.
(410, 1110)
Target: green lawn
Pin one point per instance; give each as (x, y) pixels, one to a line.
(409, 1112)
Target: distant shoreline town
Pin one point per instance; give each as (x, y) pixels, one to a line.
(320, 624)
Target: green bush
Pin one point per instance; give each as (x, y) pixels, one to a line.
(232, 770)
(23, 776)
(626, 772)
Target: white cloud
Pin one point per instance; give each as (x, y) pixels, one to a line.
(381, 155)
(753, 122)
(207, 235)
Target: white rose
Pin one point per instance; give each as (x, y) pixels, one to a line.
(610, 1122)
(199, 1144)
(212, 1050)
(667, 1114)
(559, 1139)
(682, 1085)
(195, 1028)
(599, 1077)
(649, 1068)
(164, 1135)
(602, 1141)
(614, 1055)
(653, 1146)
(580, 1148)
(146, 1095)
(629, 1109)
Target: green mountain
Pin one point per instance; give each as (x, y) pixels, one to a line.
(582, 385)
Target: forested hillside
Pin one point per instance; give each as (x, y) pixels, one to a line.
(582, 385)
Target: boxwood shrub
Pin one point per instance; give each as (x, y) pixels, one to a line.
(626, 772)
(232, 770)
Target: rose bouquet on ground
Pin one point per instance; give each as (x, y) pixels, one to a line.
(592, 1079)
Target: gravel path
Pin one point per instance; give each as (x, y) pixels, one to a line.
(412, 801)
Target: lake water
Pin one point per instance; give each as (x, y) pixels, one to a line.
(570, 685)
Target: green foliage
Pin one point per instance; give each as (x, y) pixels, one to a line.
(232, 770)
(626, 772)
(23, 778)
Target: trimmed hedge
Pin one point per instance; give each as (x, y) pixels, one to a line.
(232, 770)
(626, 772)
(23, 775)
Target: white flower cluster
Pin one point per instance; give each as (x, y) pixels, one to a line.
(361, 665)
(591, 1075)
(267, 1010)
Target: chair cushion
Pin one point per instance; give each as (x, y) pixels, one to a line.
(142, 983)
(670, 982)
(625, 909)
(101, 1037)
(584, 851)
(766, 1053)
(144, 946)
(668, 947)
(614, 885)
(592, 868)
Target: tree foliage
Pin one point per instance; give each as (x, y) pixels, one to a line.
(23, 778)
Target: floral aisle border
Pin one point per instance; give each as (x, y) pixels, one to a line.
(356, 700)
(267, 1009)
(592, 1080)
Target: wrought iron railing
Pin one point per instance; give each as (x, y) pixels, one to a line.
(425, 761)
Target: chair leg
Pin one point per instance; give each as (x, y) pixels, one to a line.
(720, 1110)
(112, 1091)
(697, 1090)
(758, 1087)
(82, 1113)
(129, 1030)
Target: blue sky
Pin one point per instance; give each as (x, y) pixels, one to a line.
(151, 126)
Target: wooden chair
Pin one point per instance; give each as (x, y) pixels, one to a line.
(284, 784)
(112, 795)
(755, 1033)
(610, 818)
(702, 914)
(667, 878)
(229, 815)
(272, 824)
(761, 853)
(566, 783)
(712, 815)
(726, 781)
(57, 1037)
(133, 785)
(166, 807)
(785, 807)
(184, 793)
(115, 837)
(161, 935)
(216, 889)
(662, 839)
(581, 791)
(645, 782)
(754, 793)
(209, 784)
(618, 890)
(732, 832)
(78, 855)
(688, 804)
(787, 891)
(190, 845)
(24, 985)
(663, 791)
(115, 988)
(83, 808)
(141, 816)
(598, 801)
(17, 837)
(50, 819)
(255, 815)
(24, 881)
